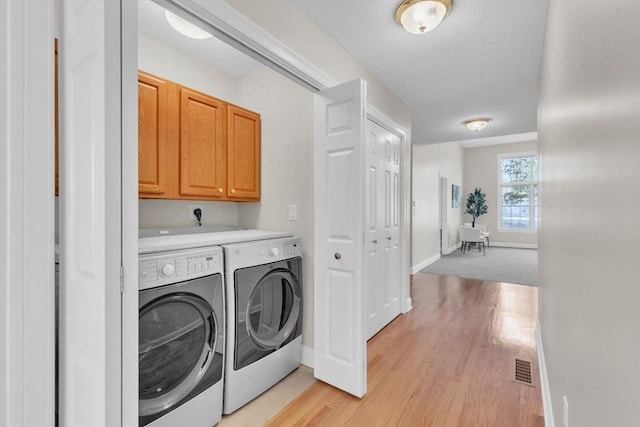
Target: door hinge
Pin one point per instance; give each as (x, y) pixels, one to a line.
(121, 279)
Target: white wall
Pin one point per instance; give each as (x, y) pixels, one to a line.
(184, 69)
(287, 167)
(589, 240)
(481, 170)
(429, 163)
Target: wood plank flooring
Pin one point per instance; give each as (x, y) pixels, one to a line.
(449, 361)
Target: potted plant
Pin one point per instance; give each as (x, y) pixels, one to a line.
(476, 205)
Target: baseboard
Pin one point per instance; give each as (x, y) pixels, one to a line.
(453, 248)
(544, 382)
(408, 305)
(514, 245)
(427, 262)
(307, 356)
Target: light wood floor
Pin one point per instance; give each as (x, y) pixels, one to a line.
(448, 362)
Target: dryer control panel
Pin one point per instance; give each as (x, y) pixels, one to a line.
(177, 266)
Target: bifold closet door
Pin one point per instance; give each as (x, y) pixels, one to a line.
(382, 227)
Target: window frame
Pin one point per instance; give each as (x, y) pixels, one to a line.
(531, 184)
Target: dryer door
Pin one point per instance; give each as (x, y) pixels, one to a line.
(271, 316)
(177, 336)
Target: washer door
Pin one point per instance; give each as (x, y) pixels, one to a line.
(178, 334)
(270, 316)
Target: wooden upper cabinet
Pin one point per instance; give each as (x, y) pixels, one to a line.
(153, 107)
(194, 146)
(202, 148)
(243, 154)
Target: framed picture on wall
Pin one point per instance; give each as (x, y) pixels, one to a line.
(455, 196)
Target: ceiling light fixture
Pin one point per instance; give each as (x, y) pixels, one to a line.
(422, 16)
(477, 124)
(185, 27)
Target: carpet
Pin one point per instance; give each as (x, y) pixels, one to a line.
(508, 265)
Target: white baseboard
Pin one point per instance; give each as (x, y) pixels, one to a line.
(514, 245)
(307, 356)
(544, 382)
(453, 248)
(408, 305)
(416, 268)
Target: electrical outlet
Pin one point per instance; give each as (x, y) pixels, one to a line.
(565, 412)
(193, 208)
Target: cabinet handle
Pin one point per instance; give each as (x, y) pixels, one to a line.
(389, 238)
(233, 191)
(220, 190)
(337, 255)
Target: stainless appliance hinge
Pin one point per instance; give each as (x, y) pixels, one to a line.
(121, 279)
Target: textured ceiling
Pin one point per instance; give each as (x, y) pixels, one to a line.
(483, 60)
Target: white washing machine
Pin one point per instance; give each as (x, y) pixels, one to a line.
(181, 338)
(264, 316)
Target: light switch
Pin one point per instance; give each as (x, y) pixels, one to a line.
(293, 212)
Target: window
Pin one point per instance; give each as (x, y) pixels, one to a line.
(518, 191)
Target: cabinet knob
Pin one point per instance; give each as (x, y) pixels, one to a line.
(389, 238)
(233, 191)
(220, 190)
(375, 242)
(337, 255)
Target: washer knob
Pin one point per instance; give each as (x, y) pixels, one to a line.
(274, 251)
(168, 270)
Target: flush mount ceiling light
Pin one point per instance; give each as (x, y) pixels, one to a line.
(477, 124)
(185, 27)
(422, 16)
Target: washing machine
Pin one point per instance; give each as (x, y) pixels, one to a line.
(181, 337)
(264, 316)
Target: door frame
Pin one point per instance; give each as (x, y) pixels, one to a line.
(27, 295)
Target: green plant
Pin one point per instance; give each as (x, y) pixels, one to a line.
(476, 205)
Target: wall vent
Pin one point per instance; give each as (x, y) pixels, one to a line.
(523, 372)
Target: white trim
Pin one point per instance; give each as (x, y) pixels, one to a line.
(498, 140)
(453, 248)
(408, 305)
(515, 245)
(544, 382)
(427, 262)
(130, 309)
(27, 291)
(307, 356)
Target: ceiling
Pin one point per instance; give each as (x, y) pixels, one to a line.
(483, 60)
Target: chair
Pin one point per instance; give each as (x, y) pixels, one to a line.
(483, 231)
(471, 236)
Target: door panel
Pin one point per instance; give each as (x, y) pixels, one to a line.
(202, 153)
(152, 133)
(340, 342)
(243, 154)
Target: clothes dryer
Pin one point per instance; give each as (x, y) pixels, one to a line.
(264, 316)
(181, 338)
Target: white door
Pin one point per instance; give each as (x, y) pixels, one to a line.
(340, 342)
(382, 224)
(89, 54)
(444, 227)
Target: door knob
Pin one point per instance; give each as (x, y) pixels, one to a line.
(337, 255)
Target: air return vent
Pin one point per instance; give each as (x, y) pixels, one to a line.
(523, 372)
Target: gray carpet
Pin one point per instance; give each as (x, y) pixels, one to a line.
(500, 265)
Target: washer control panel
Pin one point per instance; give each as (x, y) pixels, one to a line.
(280, 250)
(176, 266)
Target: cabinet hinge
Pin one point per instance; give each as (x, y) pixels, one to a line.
(121, 279)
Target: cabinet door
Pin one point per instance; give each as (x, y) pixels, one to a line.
(243, 156)
(202, 151)
(152, 134)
